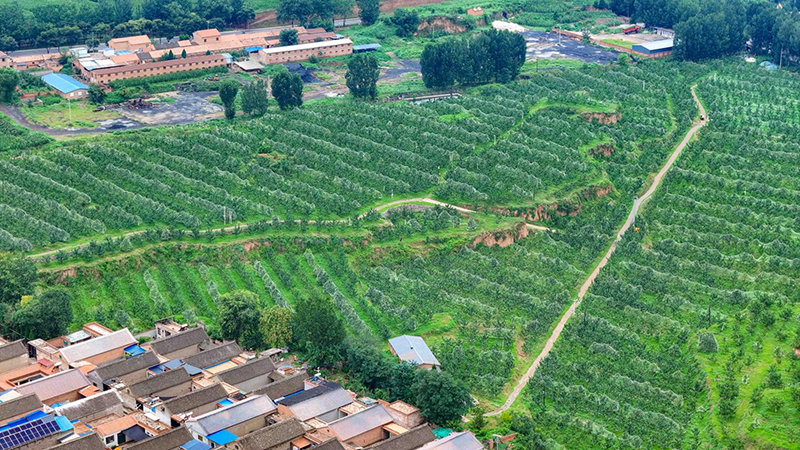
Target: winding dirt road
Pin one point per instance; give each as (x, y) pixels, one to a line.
(51, 253)
(588, 283)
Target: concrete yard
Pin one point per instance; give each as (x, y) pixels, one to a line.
(187, 107)
(546, 45)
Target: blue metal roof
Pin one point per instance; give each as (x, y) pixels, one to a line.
(222, 437)
(63, 83)
(366, 47)
(253, 49)
(195, 445)
(134, 350)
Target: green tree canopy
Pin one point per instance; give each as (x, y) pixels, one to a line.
(368, 11)
(227, 94)
(288, 37)
(362, 76)
(276, 326)
(8, 83)
(239, 318)
(287, 88)
(45, 316)
(406, 21)
(17, 276)
(318, 331)
(440, 397)
(255, 99)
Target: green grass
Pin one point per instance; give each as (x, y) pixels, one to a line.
(62, 115)
(619, 42)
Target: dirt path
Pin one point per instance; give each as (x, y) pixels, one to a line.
(588, 283)
(51, 253)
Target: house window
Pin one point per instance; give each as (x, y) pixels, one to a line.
(109, 440)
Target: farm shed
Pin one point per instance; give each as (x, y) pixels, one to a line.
(66, 86)
(366, 48)
(249, 66)
(654, 48)
(413, 349)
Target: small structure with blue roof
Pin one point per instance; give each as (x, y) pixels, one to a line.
(66, 86)
(414, 350)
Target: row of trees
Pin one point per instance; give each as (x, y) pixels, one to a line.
(91, 22)
(721, 27)
(320, 13)
(490, 56)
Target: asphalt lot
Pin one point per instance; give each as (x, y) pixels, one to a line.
(545, 45)
(188, 107)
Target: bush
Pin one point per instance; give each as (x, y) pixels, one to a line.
(707, 343)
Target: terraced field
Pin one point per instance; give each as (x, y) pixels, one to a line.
(502, 146)
(688, 334)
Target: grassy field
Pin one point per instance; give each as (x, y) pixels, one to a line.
(74, 114)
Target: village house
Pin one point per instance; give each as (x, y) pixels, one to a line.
(303, 52)
(98, 349)
(197, 402)
(87, 409)
(13, 355)
(19, 407)
(127, 371)
(226, 424)
(59, 387)
(181, 344)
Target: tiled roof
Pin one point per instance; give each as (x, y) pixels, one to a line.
(271, 436)
(55, 385)
(284, 387)
(120, 367)
(214, 355)
(179, 341)
(160, 382)
(195, 399)
(19, 406)
(116, 425)
(98, 345)
(359, 423)
(456, 441)
(248, 371)
(87, 442)
(331, 444)
(165, 441)
(12, 350)
(90, 406)
(413, 349)
(414, 439)
(231, 415)
(317, 401)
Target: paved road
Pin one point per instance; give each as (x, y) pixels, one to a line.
(588, 283)
(50, 254)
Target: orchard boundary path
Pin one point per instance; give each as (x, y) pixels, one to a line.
(49, 254)
(637, 203)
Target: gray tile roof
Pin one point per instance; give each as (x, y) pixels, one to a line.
(159, 382)
(412, 440)
(195, 399)
(214, 356)
(231, 415)
(359, 423)
(170, 440)
(317, 401)
(121, 367)
(89, 406)
(272, 436)
(12, 350)
(56, 384)
(413, 349)
(248, 371)
(19, 406)
(331, 444)
(88, 442)
(98, 345)
(179, 341)
(456, 441)
(284, 387)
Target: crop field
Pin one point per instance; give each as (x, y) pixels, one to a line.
(14, 138)
(505, 146)
(688, 335)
